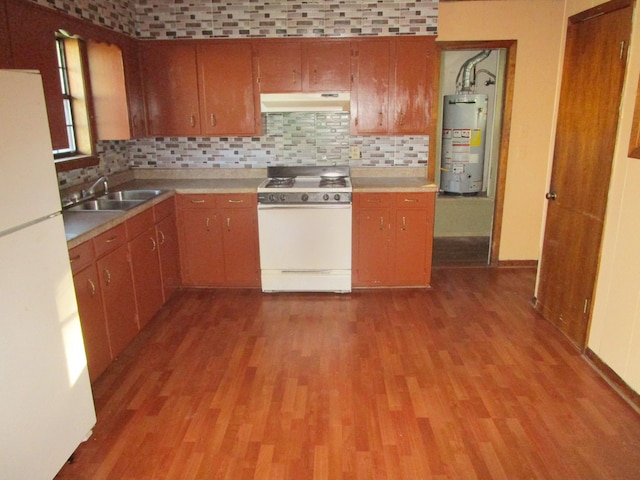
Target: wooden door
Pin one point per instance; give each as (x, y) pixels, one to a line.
(593, 73)
(92, 319)
(327, 66)
(370, 108)
(116, 283)
(280, 66)
(413, 74)
(227, 99)
(201, 248)
(171, 88)
(147, 279)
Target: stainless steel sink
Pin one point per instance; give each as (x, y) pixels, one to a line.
(104, 204)
(125, 195)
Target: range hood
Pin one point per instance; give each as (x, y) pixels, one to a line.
(304, 102)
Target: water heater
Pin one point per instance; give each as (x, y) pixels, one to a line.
(464, 125)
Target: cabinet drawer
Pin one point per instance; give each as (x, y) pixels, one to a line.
(364, 200)
(164, 209)
(110, 240)
(413, 200)
(196, 201)
(81, 256)
(140, 223)
(236, 200)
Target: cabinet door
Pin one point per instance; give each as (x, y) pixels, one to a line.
(145, 265)
(410, 260)
(116, 283)
(327, 66)
(280, 66)
(92, 319)
(227, 97)
(201, 248)
(135, 95)
(370, 110)
(240, 241)
(412, 95)
(171, 88)
(167, 237)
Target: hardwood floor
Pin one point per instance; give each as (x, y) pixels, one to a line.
(464, 381)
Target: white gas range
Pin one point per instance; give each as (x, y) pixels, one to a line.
(304, 226)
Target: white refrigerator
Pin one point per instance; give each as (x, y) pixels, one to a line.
(46, 405)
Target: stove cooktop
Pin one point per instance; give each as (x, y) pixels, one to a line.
(306, 185)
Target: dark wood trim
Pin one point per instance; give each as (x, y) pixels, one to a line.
(601, 9)
(505, 132)
(613, 379)
(517, 263)
(65, 165)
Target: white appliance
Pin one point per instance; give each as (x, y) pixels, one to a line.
(46, 405)
(304, 229)
(464, 128)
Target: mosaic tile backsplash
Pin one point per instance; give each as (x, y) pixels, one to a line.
(289, 138)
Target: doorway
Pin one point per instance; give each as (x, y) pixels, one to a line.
(467, 224)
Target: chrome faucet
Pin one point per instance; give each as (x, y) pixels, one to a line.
(91, 190)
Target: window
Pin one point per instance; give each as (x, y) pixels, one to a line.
(70, 51)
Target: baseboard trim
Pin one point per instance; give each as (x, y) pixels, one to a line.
(613, 379)
(518, 263)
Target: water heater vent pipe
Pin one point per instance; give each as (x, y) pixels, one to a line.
(467, 72)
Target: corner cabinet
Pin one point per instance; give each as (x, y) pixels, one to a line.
(392, 239)
(199, 88)
(395, 80)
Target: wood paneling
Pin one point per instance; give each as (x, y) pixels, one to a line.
(464, 381)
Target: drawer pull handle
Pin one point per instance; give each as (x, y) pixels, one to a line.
(153, 243)
(228, 224)
(207, 224)
(74, 258)
(235, 201)
(197, 201)
(111, 240)
(404, 223)
(294, 78)
(381, 223)
(92, 286)
(410, 200)
(162, 239)
(192, 120)
(108, 274)
(213, 120)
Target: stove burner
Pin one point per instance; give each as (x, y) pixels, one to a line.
(281, 182)
(333, 182)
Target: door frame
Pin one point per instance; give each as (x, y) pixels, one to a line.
(510, 46)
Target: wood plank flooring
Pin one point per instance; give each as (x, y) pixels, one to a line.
(463, 381)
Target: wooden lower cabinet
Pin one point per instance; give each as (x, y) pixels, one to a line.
(392, 239)
(167, 238)
(219, 240)
(147, 277)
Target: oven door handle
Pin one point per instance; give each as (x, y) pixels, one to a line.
(340, 206)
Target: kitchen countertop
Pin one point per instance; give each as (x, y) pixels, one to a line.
(82, 226)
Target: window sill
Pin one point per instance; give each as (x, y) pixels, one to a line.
(73, 163)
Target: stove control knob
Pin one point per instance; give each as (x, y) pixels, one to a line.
(325, 197)
(336, 197)
(283, 197)
(305, 197)
(272, 198)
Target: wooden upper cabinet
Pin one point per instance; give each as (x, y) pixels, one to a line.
(33, 45)
(135, 92)
(413, 84)
(106, 73)
(370, 98)
(280, 66)
(394, 87)
(227, 94)
(327, 66)
(287, 66)
(170, 87)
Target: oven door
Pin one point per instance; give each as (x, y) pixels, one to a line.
(305, 247)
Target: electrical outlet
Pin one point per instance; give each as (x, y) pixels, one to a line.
(355, 152)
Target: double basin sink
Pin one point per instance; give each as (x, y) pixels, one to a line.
(115, 201)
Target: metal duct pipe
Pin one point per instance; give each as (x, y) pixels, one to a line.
(467, 69)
